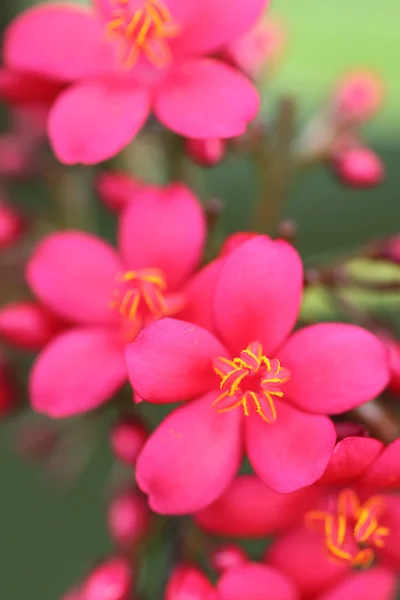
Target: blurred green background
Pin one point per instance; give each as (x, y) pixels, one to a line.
(50, 535)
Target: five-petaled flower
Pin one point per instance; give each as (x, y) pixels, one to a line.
(124, 58)
(349, 519)
(250, 383)
(108, 296)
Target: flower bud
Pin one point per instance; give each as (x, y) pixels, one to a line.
(357, 97)
(127, 438)
(28, 325)
(128, 518)
(359, 168)
(15, 156)
(116, 189)
(234, 241)
(110, 580)
(188, 583)
(18, 88)
(11, 225)
(206, 153)
(227, 557)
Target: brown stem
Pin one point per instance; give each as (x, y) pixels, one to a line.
(274, 166)
(381, 423)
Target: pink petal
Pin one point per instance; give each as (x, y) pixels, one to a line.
(74, 273)
(164, 228)
(390, 553)
(292, 452)
(249, 508)
(196, 100)
(191, 457)
(302, 556)
(384, 472)
(350, 458)
(92, 121)
(76, 372)
(334, 367)
(253, 581)
(374, 584)
(171, 360)
(199, 295)
(258, 294)
(62, 41)
(218, 23)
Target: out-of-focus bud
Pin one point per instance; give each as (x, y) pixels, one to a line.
(116, 189)
(128, 518)
(345, 429)
(227, 557)
(8, 392)
(359, 168)
(110, 580)
(15, 156)
(18, 88)
(28, 325)
(261, 47)
(234, 241)
(188, 583)
(206, 153)
(127, 438)
(11, 225)
(391, 249)
(287, 231)
(37, 442)
(357, 97)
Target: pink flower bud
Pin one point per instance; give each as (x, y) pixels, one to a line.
(359, 168)
(28, 325)
(8, 392)
(188, 583)
(227, 557)
(11, 225)
(127, 438)
(206, 153)
(128, 519)
(15, 156)
(111, 580)
(234, 241)
(116, 189)
(358, 96)
(20, 88)
(345, 429)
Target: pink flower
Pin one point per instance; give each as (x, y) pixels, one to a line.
(253, 581)
(124, 58)
(252, 383)
(358, 96)
(108, 296)
(349, 518)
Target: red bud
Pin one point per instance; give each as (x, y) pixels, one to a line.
(188, 583)
(11, 225)
(117, 189)
(359, 168)
(127, 439)
(111, 580)
(28, 325)
(227, 557)
(206, 153)
(128, 519)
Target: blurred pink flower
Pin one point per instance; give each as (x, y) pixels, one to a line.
(349, 518)
(110, 580)
(110, 295)
(357, 97)
(359, 168)
(252, 384)
(125, 58)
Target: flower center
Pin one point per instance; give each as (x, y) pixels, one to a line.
(143, 31)
(139, 298)
(352, 531)
(250, 381)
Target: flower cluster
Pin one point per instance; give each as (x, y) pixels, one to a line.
(239, 413)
